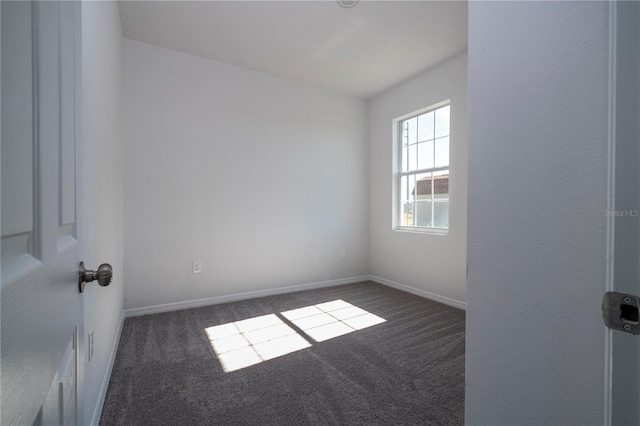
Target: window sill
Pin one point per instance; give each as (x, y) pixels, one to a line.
(414, 230)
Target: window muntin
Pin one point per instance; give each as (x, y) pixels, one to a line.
(423, 173)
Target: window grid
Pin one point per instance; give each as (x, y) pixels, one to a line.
(424, 157)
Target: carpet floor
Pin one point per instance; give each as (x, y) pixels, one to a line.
(357, 354)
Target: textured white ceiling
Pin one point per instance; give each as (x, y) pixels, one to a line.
(360, 51)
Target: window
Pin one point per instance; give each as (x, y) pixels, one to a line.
(423, 173)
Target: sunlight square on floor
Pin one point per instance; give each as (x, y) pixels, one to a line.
(248, 342)
(331, 319)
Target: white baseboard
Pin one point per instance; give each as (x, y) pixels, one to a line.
(187, 304)
(97, 412)
(419, 292)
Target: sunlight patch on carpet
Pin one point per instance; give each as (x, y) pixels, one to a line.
(332, 319)
(241, 344)
(244, 343)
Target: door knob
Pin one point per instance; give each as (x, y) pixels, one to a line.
(102, 275)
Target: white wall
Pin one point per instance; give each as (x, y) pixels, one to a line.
(538, 76)
(262, 179)
(426, 263)
(102, 201)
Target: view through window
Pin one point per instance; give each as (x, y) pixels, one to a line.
(423, 175)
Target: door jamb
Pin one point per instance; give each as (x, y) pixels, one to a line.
(611, 172)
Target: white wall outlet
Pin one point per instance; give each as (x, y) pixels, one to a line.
(343, 254)
(90, 349)
(196, 266)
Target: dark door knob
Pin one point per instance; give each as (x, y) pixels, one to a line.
(102, 275)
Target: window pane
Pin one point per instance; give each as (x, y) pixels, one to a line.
(425, 155)
(412, 125)
(404, 188)
(441, 213)
(442, 152)
(425, 126)
(413, 157)
(441, 184)
(405, 133)
(423, 213)
(423, 186)
(405, 159)
(442, 122)
(406, 214)
(441, 173)
(411, 183)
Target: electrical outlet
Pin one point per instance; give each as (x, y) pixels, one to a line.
(196, 266)
(343, 254)
(90, 345)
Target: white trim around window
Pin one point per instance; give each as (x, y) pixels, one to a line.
(421, 170)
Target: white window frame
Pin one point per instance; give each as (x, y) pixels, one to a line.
(398, 173)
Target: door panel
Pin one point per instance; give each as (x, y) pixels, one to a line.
(18, 237)
(41, 305)
(60, 404)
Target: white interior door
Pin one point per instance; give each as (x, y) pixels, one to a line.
(625, 348)
(41, 305)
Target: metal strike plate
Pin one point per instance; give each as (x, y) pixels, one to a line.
(620, 312)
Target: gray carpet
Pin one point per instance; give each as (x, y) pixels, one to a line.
(407, 370)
